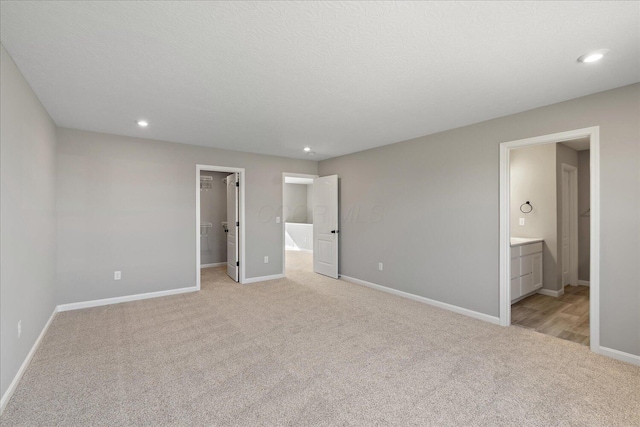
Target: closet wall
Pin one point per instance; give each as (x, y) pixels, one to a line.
(213, 211)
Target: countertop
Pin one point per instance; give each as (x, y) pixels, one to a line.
(519, 241)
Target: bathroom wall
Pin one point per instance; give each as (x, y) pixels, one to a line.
(295, 203)
(213, 210)
(584, 224)
(533, 178)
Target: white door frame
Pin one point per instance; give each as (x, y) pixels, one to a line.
(505, 266)
(573, 222)
(284, 238)
(241, 204)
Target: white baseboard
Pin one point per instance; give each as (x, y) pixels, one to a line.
(126, 298)
(583, 282)
(551, 293)
(215, 264)
(620, 355)
(12, 387)
(476, 315)
(262, 278)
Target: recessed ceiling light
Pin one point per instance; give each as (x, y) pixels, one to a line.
(593, 56)
(307, 149)
(143, 123)
(310, 153)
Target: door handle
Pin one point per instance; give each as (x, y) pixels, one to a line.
(335, 231)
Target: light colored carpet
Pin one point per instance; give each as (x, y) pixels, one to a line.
(308, 350)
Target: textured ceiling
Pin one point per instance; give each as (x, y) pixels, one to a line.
(273, 77)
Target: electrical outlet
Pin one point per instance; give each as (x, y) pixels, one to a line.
(380, 266)
(117, 275)
(266, 260)
(277, 220)
(19, 328)
(521, 221)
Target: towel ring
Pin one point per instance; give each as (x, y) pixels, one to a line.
(526, 204)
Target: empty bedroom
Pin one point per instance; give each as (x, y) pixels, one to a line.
(250, 213)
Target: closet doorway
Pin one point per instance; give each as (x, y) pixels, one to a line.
(220, 220)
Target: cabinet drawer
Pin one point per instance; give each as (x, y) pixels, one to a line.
(515, 267)
(515, 288)
(531, 249)
(515, 252)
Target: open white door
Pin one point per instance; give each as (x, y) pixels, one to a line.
(325, 225)
(233, 224)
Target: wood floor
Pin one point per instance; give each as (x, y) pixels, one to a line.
(565, 317)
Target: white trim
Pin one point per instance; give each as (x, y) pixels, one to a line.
(505, 238)
(284, 239)
(583, 283)
(14, 384)
(263, 278)
(126, 298)
(594, 235)
(444, 305)
(505, 266)
(242, 228)
(551, 293)
(620, 355)
(215, 264)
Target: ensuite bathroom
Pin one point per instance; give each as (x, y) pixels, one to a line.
(550, 244)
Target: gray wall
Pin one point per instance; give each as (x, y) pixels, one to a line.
(129, 204)
(569, 156)
(533, 178)
(295, 203)
(310, 203)
(429, 209)
(213, 209)
(27, 218)
(584, 215)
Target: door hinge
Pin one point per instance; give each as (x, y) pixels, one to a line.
(237, 183)
(237, 224)
(237, 263)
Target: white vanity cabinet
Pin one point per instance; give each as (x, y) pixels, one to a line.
(526, 268)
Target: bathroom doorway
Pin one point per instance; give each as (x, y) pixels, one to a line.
(545, 190)
(548, 277)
